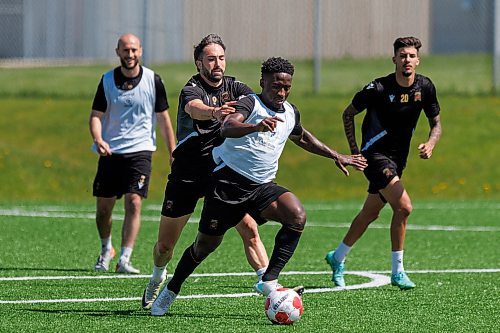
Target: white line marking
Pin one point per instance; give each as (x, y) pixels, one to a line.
(377, 279)
(51, 213)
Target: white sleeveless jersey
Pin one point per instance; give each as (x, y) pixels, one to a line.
(256, 155)
(129, 123)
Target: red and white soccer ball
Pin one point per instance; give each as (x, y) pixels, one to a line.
(283, 306)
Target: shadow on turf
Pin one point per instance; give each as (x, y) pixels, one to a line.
(142, 313)
(43, 269)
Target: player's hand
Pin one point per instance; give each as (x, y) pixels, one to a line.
(425, 150)
(221, 112)
(357, 161)
(268, 124)
(103, 148)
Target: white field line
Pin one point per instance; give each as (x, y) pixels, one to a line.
(59, 213)
(377, 279)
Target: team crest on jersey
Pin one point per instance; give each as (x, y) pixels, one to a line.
(225, 96)
(141, 181)
(391, 97)
(418, 96)
(214, 100)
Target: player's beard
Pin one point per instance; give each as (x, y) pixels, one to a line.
(125, 65)
(211, 77)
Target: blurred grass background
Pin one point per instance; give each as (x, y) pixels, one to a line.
(45, 143)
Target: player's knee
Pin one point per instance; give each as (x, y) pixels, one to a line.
(164, 249)
(405, 209)
(297, 218)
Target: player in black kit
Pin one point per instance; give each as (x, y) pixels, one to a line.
(203, 102)
(393, 105)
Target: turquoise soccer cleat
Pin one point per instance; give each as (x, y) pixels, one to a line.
(402, 281)
(337, 269)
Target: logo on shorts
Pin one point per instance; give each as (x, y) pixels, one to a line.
(169, 204)
(391, 97)
(213, 224)
(141, 181)
(387, 172)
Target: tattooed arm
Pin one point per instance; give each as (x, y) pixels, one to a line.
(434, 136)
(349, 127)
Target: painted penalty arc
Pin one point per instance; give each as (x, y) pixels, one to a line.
(376, 280)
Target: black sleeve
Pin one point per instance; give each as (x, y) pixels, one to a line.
(100, 103)
(431, 104)
(297, 129)
(189, 93)
(161, 102)
(245, 106)
(364, 97)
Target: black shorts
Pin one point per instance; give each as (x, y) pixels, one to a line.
(118, 174)
(233, 196)
(189, 180)
(381, 170)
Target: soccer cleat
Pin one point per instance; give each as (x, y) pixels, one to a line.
(102, 264)
(337, 269)
(151, 293)
(402, 281)
(299, 290)
(163, 302)
(266, 287)
(126, 267)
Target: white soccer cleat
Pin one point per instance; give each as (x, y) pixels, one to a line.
(266, 287)
(163, 302)
(126, 267)
(151, 292)
(102, 264)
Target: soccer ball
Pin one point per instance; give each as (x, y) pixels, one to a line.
(283, 306)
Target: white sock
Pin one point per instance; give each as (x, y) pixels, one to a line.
(126, 253)
(159, 272)
(105, 245)
(260, 272)
(341, 252)
(397, 262)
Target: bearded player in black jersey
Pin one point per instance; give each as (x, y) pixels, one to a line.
(205, 100)
(393, 105)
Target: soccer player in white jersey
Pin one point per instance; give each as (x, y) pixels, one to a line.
(129, 102)
(247, 162)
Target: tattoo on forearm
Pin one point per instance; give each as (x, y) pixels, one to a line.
(350, 131)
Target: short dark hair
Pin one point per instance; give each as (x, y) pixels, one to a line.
(277, 65)
(210, 39)
(407, 41)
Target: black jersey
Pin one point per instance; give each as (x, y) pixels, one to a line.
(393, 112)
(198, 137)
(124, 83)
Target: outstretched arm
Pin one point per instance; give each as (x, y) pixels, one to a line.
(234, 126)
(434, 136)
(200, 111)
(349, 127)
(307, 141)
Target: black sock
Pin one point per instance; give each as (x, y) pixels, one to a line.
(184, 268)
(285, 243)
